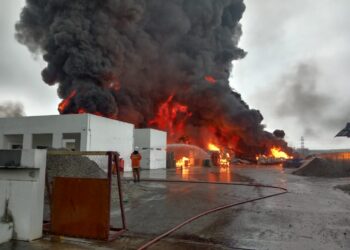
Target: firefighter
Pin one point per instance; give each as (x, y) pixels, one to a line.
(135, 163)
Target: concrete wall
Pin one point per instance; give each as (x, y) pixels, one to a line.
(152, 146)
(111, 135)
(22, 196)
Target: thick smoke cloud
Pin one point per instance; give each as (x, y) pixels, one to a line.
(126, 57)
(298, 97)
(11, 109)
(302, 99)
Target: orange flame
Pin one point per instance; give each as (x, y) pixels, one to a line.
(210, 79)
(224, 158)
(278, 153)
(213, 147)
(171, 116)
(183, 162)
(65, 102)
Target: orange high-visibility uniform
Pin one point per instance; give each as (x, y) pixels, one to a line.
(135, 160)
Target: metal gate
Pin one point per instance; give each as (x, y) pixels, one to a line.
(81, 206)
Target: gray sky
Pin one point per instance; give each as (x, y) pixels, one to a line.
(297, 68)
(295, 73)
(20, 73)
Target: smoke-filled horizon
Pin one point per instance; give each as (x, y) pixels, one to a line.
(11, 109)
(127, 59)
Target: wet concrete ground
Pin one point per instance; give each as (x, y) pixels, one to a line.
(313, 215)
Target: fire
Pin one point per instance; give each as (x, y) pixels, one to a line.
(183, 162)
(278, 153)
(213, 147)
(210, 79)
(64, 104)
(219, 157)
(225, 160)
(171, 116)
(275, 154)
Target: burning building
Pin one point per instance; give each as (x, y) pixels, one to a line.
(152, 63)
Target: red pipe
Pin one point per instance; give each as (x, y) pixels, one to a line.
(158, 238)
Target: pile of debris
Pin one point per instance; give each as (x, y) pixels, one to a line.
(72, 166)
(320, 167)
(345, 188)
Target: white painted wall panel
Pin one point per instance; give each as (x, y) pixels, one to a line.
(142, 138)
(110, 135)
(24, 191)
(53, 124)
(152, 145)
(158, 139)
(96, 133)
(153, 159)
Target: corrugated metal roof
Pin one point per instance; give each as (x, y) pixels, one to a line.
(345, 131)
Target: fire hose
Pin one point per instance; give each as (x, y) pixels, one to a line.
(222, 207)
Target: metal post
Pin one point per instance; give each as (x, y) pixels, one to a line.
(48, 189)
(116, 159)
(109, 171)
(109, 176)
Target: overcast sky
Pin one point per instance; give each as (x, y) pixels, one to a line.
(296, 71)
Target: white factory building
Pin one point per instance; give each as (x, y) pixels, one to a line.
(84, 132)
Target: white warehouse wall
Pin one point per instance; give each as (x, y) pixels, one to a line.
(111, 135)
(152, 146)
(96, 133)
(53, 124)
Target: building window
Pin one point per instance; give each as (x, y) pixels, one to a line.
(13, 141)
(71, 141)
(42, 141)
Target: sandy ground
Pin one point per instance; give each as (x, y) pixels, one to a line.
(312, 215)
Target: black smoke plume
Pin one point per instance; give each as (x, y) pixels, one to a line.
(279, 133)
(11, 109)
(125, 58)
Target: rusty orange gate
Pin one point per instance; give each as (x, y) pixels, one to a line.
(80, 207)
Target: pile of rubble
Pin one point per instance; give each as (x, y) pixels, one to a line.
(320, 167)
(72, 166)
(345, 188)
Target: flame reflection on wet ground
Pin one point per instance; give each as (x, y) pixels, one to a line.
(213, 174)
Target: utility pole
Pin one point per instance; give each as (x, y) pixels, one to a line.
(302, 146)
